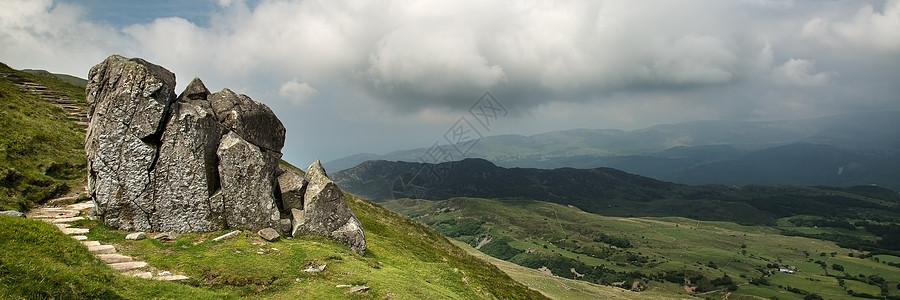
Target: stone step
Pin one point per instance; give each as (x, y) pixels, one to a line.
(61, 201)
(66, 220)
(128, 265)
(114, 258)
(172, 278)
(78, 231)
(102, 249)
(52, 213)
(81, 205)
(90, 243)
(61, 226)
(144, 275)
(79, 237)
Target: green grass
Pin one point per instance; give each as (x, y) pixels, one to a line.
(713, 249)
(39, 262)
(41, 152)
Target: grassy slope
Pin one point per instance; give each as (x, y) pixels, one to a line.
(668, 244)
(73, 80)
(41, 152)
(405, 259)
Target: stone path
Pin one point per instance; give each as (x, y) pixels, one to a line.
(73, 110)
(62, 216)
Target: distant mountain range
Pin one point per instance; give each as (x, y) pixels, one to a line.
(843, 150)
(613, 192)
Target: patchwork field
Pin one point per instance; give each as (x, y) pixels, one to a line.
(675, 257)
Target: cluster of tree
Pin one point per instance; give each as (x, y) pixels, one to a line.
(823, 223)
(698, 281)
(889, 234)
(499, 247)
(563, 266)
(620, 242)
(806, 294)
(456, 228)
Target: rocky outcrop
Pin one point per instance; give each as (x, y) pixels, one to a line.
(198, 162)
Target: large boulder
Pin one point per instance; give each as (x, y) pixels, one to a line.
(199, 162)
(129, 100)
(325, 212)
(186, 170)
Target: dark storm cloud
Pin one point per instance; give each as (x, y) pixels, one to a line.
(390, 64)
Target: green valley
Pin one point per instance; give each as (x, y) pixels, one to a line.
(670, 255)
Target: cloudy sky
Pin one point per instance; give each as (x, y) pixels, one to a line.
(350, 77)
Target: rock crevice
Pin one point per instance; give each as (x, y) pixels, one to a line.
(200, 161)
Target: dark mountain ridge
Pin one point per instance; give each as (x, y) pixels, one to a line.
(613, 192)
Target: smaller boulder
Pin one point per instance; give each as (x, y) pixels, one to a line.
(292, 187)
(358, 289)
(285, 226)
(269, 234)
(325, 212)
(315, 269)
(136, 236)
(166, 236)
(12, 213)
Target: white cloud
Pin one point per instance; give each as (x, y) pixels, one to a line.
(297, 92)
(431, 62)
(867, 28)
(803, 73)
(41, 34)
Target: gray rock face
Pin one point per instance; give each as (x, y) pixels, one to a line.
(252, 120)
(293, 187)
(128, 100)
(326, 213)
(248, 183)
(199, 162)
(186, 171)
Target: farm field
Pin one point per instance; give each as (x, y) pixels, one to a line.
(672, 256)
